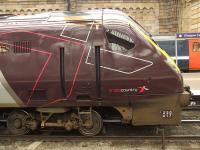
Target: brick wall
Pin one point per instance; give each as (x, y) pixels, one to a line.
(195, 7)
(145, 12)
(31, 6)
(156, 16)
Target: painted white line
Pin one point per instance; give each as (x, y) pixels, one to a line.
(89, 31)
(76, 38)
(34, 145)
(88, 55)
(195, 92)
(180, 57)
(150, 63)
(191, 79)
(8, 96)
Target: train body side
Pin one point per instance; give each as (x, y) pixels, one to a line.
(140, 80)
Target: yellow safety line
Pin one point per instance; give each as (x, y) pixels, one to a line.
(156, 46)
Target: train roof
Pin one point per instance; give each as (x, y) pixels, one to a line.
(89, 15)
(58, 18)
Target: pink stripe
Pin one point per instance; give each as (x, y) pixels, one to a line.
(42, 34)
(77, 70)
(46, 63)
(38, 78)
(35, 50)
(41, 72)
(53, 102)
(74, 80)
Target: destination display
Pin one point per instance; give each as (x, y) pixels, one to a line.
(188, 35)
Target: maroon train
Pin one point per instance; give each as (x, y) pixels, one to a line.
(78, 69)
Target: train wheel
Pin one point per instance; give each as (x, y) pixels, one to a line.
(95, 128)
(16, 122)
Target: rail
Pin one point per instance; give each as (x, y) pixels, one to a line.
(57, 138)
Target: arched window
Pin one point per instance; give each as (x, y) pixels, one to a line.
(7, 11)
(138, 10)
(131, 9)
(35, 11)
(22, 12)
(43, 10)
(29, 12)
(124, 10)
(15, 11)
(151, 10)
(145, 10)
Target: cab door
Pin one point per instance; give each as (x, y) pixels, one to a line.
(194, 54)
(121, 64)
(81, 77)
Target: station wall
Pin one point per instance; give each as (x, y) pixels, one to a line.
(156, 16)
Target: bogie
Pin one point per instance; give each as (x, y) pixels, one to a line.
(18, 122)
(21, 122)
(91, 124)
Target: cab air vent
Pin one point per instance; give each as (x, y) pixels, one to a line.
(22, 47)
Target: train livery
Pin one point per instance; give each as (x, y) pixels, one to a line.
(76, 70)
(184, 48)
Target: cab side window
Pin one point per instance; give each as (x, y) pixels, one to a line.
(119, 40)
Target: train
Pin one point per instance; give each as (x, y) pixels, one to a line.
(78, 70)
(184, 49)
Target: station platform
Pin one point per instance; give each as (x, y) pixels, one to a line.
(192, 80)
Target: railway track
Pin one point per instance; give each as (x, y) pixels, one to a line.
(83, 138)
(192, 109)
(194, 103)
(152, 136)
(163, 139)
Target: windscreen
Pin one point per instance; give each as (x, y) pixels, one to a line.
(140, 27)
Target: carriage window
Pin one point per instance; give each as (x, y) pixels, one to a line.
(196, 47)
(182, 47)
(119, 41)
(168, 46)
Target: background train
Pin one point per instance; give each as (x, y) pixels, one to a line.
(184, 48)
(76, 69)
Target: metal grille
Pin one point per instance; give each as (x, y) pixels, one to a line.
(22, 47)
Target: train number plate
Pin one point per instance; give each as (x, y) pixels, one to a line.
(166, 113)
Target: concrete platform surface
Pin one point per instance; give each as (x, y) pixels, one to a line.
(193, 80)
